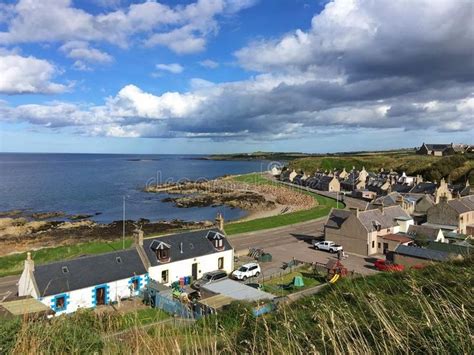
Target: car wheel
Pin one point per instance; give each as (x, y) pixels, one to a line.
(244, 278)
(331, 251)
(316, 248)
(256, 274)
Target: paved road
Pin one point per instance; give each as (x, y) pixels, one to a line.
(279, 236)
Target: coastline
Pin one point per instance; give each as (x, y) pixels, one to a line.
(22, 230)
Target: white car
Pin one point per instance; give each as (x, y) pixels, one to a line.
(246, 271)
(327, 246)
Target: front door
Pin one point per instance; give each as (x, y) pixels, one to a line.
(100, 296)
(385, 248)
(194, 271)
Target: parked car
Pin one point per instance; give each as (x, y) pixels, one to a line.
(384, 265)
(327, 245)
(209, 277)
(246, 271)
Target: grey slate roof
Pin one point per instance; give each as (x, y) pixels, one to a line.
(337, 217)
(437, 146)
(387, 219)
(422, 253)
(423, 231)
(87, 271)
(195, 244)
(424, 188)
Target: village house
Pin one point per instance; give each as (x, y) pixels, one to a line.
(390, 242)
(90, 281)
(360, 232)
(436, 150)
(426, 234)
(443, 191)
(84, 282)
(410, 256)
(323, 182)
(452, 215)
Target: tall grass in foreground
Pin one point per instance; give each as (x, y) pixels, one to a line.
(426, 311)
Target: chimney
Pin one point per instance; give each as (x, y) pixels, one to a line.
(29, 263)
(138, 237)
(220, 222)
(355, 211)
(181, 247)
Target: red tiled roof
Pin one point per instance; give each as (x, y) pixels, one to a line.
(397, 238)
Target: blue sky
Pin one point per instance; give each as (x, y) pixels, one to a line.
(213, 76)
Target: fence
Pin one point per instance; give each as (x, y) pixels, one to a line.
(173, 307)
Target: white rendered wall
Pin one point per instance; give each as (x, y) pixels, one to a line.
(183, 268)
(83, 298)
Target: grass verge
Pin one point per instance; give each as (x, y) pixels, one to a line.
(324, 205)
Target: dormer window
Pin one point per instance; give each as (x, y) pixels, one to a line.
(216, 239)
(161, 250)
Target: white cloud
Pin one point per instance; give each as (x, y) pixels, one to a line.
(82, 50)
(84, 54)
(208, 63)
(174, 68)
(374, 65)
(182, 28)
(27, 75)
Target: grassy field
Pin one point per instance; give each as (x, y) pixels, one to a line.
(322, 209)
(425, 311)
(277, 285)
(455, 168)
(13, 264)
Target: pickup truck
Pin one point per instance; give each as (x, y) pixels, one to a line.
(327, 246)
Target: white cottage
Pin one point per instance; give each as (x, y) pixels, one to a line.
(84, 282)
(90, 281)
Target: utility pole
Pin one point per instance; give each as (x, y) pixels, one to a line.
(123, 225)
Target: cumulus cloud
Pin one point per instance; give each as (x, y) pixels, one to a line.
(208, 63)
(174, 68)
(27, 75)
(84, 54)
(183, 29)
(362, 64)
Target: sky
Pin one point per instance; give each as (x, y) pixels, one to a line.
(224, 76)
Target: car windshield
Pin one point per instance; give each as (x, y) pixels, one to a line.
(243, 269)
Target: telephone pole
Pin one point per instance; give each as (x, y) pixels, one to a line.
(123, 224)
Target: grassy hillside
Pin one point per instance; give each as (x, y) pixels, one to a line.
(426, 311)
(456, 168)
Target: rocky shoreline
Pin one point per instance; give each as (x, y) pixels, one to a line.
(19, 234)
(22, 230)
(234, 194)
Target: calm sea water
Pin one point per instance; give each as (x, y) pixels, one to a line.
(90, 183)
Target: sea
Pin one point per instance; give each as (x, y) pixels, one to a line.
(98, 184)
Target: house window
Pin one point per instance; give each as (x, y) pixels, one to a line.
(373, 244)
(220, 263)
(219, 244)
(164, 276)
(378, 245)
(60, 303)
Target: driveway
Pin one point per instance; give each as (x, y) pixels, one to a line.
(294, 241)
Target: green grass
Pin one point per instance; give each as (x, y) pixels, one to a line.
(457, 167)
(425, 311)
(13, 264)
(322, 209)
(254, 178)
(275, 284)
